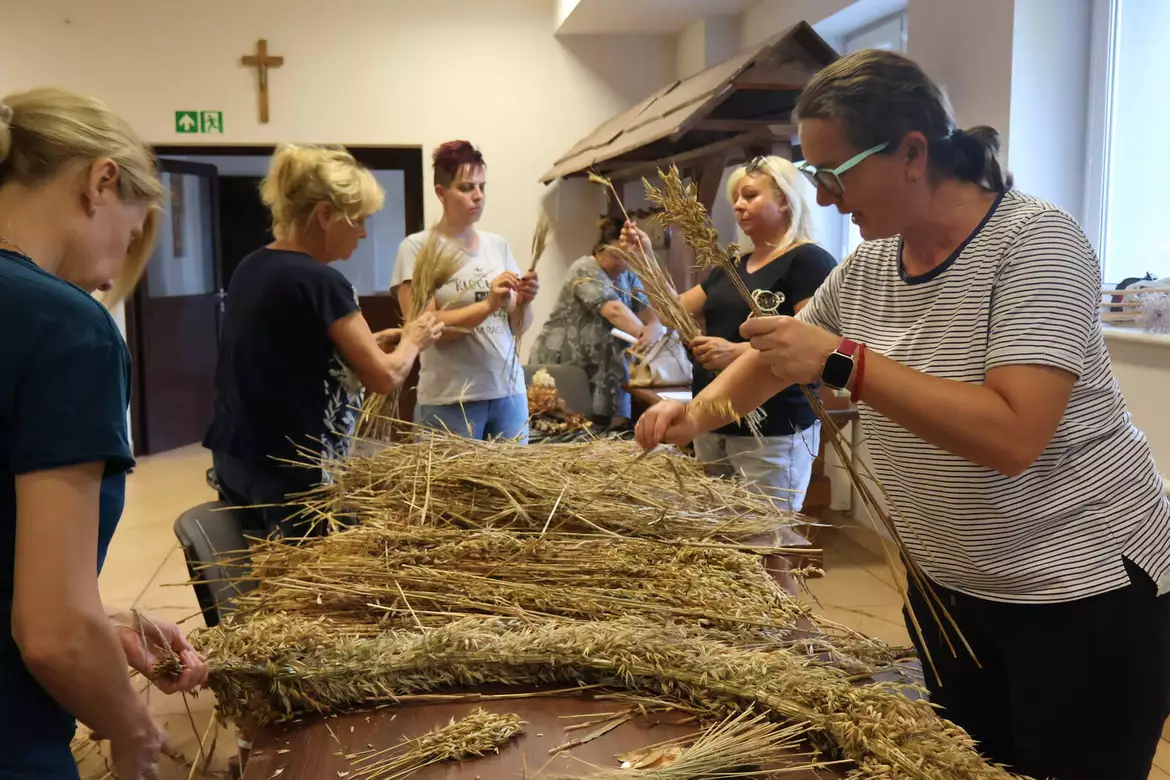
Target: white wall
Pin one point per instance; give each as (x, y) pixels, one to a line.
(1049, 99)
(772, 17)
(363, 72)
(967, 48)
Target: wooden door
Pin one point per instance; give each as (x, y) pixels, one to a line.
(174, 316)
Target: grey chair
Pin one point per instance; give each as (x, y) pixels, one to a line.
(212, 536)
(572, 384)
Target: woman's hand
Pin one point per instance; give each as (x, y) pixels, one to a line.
(502, 287)
(136, 758)
(528, 287)
(794, 350)
(388, 339)
(634, 239)
(666, 422)
(424, 331)
(146, 641)
(715, 354)
(650, 335)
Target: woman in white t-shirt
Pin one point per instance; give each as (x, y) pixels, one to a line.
(471, 382)
(966, 326)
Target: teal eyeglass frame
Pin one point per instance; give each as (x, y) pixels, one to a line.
(830, 178)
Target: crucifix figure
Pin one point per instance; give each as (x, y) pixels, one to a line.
(262, 62)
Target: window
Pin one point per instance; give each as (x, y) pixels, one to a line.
(1132, 144)
(888, 34)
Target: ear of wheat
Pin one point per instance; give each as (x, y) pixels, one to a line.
(437, 262)
(664, 298)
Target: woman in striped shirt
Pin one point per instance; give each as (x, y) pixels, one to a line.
(966, 327)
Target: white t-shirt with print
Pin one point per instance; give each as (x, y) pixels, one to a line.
(480, 365)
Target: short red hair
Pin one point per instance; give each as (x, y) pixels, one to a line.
(449, 159)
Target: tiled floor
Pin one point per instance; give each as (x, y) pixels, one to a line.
(145, 569)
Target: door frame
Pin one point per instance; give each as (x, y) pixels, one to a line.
(408, 159)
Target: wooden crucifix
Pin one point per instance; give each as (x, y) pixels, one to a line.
(261, 61)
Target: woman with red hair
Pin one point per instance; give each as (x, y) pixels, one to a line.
(470, 382)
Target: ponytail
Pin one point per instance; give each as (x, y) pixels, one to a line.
(971, 155)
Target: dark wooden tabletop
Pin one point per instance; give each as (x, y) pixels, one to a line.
(317, 750)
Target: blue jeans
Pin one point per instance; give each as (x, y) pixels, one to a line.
(497, 418)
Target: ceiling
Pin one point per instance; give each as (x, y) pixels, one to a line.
(665, 17)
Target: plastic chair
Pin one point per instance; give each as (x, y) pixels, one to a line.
(216, 550)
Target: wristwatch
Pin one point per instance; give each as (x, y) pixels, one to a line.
(839, 365)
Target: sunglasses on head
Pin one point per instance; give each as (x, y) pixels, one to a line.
(830, 178)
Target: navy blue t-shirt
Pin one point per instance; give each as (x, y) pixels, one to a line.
(796, 275)
(64, 391)
(281, 386)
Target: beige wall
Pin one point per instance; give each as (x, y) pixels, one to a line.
(366, 72)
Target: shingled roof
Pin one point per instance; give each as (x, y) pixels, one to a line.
(744, 101)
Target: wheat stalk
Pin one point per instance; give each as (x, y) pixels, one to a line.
(437, 261)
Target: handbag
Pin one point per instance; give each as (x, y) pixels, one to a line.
(664, 363)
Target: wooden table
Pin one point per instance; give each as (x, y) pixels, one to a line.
(310, 752)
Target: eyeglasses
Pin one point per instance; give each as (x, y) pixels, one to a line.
(830, 178)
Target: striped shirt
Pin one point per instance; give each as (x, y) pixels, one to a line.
(1024, 289)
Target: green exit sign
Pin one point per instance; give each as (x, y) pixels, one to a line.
(199, 122)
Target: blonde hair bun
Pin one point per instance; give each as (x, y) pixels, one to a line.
(301, 177)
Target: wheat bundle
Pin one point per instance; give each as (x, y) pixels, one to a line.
(539, 240)
(444, 479)
(664, 298)
(744, 744)
(472, 736)
(437, 261)
(281, 667)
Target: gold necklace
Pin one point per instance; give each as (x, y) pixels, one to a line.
(14, 245)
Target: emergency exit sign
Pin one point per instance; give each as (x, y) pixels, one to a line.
(206, 122)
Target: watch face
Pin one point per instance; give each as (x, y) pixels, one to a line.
(838, 368)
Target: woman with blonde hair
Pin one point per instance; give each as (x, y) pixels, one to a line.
(297, 355)
(78, 205)
(783, 271)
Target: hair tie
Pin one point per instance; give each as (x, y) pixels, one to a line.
(6, 114)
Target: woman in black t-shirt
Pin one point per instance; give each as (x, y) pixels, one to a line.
(784, 270)
(297, 355)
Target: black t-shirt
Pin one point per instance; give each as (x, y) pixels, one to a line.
(796, 274)
(281, 386)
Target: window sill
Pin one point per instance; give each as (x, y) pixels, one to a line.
(1136, 336)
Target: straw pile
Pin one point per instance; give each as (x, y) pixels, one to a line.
(293, 666)
(599, 486)
(376, 577)
(436, 263)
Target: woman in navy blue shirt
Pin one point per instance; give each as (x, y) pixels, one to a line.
(297, 355)
(78, 198)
